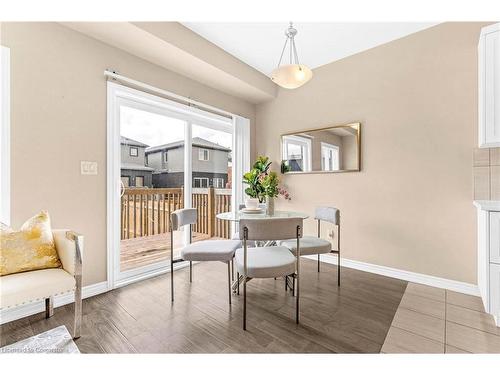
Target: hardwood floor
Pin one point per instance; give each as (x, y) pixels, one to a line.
(354, 318)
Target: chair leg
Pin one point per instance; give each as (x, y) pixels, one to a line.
(293, 286)
(245, 303)
(229, 280)
(338, 268)
(172, 264)
(297, 292)
(318, 262)
(297, 298)
(232, 269)
(172, 280)
(78, 311)
(190, 271)
(238, 286)
(49, 307)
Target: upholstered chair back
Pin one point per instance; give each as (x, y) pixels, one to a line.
(330, 214)
(271, 229)
(184, 216)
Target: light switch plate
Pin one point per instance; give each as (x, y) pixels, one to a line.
(88, 167)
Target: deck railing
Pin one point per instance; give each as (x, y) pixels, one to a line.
(146, 211)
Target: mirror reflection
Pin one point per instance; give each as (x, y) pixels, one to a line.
(331, 149)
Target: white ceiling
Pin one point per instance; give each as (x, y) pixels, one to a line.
(259, 44)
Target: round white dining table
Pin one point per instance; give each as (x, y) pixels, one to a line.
(236, 216)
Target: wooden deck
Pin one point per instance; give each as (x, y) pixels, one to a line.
(141, 251)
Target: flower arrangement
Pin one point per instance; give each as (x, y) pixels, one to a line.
(263, 183)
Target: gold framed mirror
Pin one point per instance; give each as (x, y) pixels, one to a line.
(332, 149)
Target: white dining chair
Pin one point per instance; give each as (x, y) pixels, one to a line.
(201, 251)
(271, 261)
(236, 235)
(311, 245)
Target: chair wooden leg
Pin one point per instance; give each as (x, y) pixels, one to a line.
(318, 262)
(190, 271)
(49, 307)
(238, 285)
(229, 280)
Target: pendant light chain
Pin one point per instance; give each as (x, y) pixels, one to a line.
(296, 54)
(282, 52)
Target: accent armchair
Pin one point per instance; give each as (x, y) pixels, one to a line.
(26, 287)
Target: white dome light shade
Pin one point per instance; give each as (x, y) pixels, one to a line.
(294, 74)
(291, 76)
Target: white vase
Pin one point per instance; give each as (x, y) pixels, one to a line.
(270, 206)
(251, 203)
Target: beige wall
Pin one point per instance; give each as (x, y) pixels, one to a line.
(59, 118)
(410, 207)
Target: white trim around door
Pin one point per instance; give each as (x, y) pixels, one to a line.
(121, 95)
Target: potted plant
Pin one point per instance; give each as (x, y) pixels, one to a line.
(263, 185)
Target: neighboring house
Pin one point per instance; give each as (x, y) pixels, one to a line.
(134, 171)
(210, 163)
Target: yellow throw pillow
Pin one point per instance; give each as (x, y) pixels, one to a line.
(31, 248)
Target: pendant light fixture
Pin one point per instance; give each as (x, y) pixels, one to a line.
(294, 74)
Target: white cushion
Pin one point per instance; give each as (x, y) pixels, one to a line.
(266, 262)
(309, 245)
(66, 249)
(210, 250)
(30, 286)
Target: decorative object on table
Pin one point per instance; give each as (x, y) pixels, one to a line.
(294, 74)
(251, 203)
(56, 340)
(256, 210)
(264, 184)
(254, 177)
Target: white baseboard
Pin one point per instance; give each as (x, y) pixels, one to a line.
(438, 282)
(28, 309)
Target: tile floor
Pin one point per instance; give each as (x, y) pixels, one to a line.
(433, 320)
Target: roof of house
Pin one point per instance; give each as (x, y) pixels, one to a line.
(132, 142)
(135, 167)
(197, 142)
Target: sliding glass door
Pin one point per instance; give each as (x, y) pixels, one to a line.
(152, 175)
(162, 157)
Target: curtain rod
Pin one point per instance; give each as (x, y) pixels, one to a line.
(179, 98)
